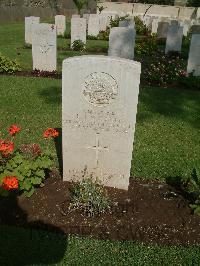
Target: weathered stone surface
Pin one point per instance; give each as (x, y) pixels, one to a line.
(186, 13)
(78, 30)
(122, 42)
(186, 26)
(44, 47)
(103, 22)
(162, 29)
(29, 24)
(180, 2)
(129, 22)
(154, 27)
(99, 106)
(174, 38)
(93, 25)
(194, 56)
(76, 16)
(60, 22)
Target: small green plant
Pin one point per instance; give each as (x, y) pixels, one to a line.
(78, 45)
(8, 66)
(89, 197)
(192, 186)
(100, 8)
(92, 37)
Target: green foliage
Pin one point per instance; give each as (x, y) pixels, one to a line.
(192, 186)
(114, 22)
(8, 66)
(141, 29)
(89, 197)
(80, 4)
(163, 69)
(100, 8)
(147, 46)
(92, 37)
(29, 172)
(104, 35)
(78, 45)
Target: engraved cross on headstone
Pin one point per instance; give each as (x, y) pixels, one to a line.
(97, 149)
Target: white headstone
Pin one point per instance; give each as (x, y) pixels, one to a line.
(174, 38)
(122, 42)
(29, 25)
(86, 16)
(76, 16)
(60, 22)
(93, 25)
(78, 30)
(44, 47)
(99, 106)
(186, 27)
(194, 56)
(103, 22)
(154, 27)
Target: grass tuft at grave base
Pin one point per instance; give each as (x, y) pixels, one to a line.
(36, 247)
(167, 130)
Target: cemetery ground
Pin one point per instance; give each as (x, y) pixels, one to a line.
(166, 145)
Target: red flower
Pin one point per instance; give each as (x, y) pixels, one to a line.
(6, 147)
(50, 132)
(10, 183)
(13, 130)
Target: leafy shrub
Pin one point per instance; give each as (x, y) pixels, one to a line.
(141, 28)
(146, 47)
(67, 35)
(191, 186)
(115, 22)
(163, 69)
(104, 35)
(24, 168)
(8, 66)
(89, 197)
(78, 45)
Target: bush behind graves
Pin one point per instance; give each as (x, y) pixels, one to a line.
(141, 28)
(89, 196)
(8, 66)
(147, 46)
(23, 168)
(163, 69)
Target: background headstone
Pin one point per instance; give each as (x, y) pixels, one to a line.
(29, 25)
(93, 25)
(180, 2)
(44, 47)
(60, 22)
(78, 30)
(122, 42)
(99, 106)
(174, 38)
(162, 29)
(194, 56)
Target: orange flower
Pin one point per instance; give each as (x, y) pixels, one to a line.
(50, 132)
(10, 183)
(6, 147)
(13, 130)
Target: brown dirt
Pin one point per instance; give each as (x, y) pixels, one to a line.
(150, 212)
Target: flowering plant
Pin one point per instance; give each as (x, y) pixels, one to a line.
(23, 168)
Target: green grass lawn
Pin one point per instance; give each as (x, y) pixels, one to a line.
(20, 247)
(166, 144)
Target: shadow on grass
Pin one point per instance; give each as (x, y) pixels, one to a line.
(35, 244)
(52, 94)
(173, 103)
